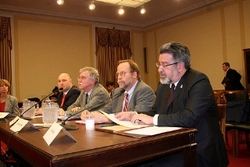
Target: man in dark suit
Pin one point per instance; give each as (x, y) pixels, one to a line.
(69, 92)
(192, 105)
(232, 79)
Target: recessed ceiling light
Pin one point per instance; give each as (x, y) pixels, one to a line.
(92, 6)
(121, 11)
(60, 2)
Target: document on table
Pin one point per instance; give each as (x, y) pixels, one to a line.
(153, 130)
(123, 123)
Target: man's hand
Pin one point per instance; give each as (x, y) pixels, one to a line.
(75, 109)
(98, 117)
(142, 119)
(61, 112)
(125, 116)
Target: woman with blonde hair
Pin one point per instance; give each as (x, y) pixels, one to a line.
(8, 103)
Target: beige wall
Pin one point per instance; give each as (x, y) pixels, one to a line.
(44, 48)
(213, 37)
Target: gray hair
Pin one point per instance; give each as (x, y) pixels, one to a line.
(93, 73)
(179, 52)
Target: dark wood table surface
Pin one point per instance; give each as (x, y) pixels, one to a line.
(95, 148)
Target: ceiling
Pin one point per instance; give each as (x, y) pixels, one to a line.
(157, 11)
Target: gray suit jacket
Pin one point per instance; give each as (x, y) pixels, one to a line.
(98, 98)
(11, 105)
(142, 99)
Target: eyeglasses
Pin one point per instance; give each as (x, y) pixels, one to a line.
(122, 73)
(164, 65)
(81, 78)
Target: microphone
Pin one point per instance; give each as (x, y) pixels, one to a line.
(97, 104)
(28, 118)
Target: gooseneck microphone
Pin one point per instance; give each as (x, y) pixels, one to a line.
(28, 118)
(97, 104)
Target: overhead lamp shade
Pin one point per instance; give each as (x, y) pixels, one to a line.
(60, 2)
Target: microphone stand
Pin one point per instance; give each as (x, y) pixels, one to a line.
(28, 118)
(73, 127)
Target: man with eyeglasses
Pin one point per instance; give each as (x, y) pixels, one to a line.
(93, 94)
(138, 96)
(192, 105)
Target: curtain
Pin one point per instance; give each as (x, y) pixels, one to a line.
(5, 49)
(112, 45)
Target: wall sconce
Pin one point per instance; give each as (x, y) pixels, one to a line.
(92, 6)
(121, 11)
(143, 10)
(60, 2)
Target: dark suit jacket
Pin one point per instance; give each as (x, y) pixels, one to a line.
(70, 98)
(194, 106)
(232, 80)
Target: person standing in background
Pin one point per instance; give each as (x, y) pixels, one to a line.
(231, 81)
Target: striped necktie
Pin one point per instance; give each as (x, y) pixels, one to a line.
(125, 107)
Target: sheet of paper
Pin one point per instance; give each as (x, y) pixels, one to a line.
(3, 114)
(153, 130)
(42, 125)
(80, 122)
(123, 123)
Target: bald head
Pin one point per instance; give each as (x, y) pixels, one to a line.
(64, 81)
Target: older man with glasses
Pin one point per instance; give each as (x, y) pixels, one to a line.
(138, 96)
(93, 95)
(185, 98)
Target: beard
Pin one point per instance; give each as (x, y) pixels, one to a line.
(165, 81)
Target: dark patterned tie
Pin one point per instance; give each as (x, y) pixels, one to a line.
(171, 93)
(86, 99)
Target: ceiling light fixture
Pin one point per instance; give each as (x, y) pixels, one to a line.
(121, 11)
(92, 6)
(143, 10)
(60, 2)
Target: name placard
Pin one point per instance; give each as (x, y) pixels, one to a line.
(53, 131)
(14, 121)
(20, 124)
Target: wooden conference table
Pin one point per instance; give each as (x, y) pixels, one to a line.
(95, 148)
